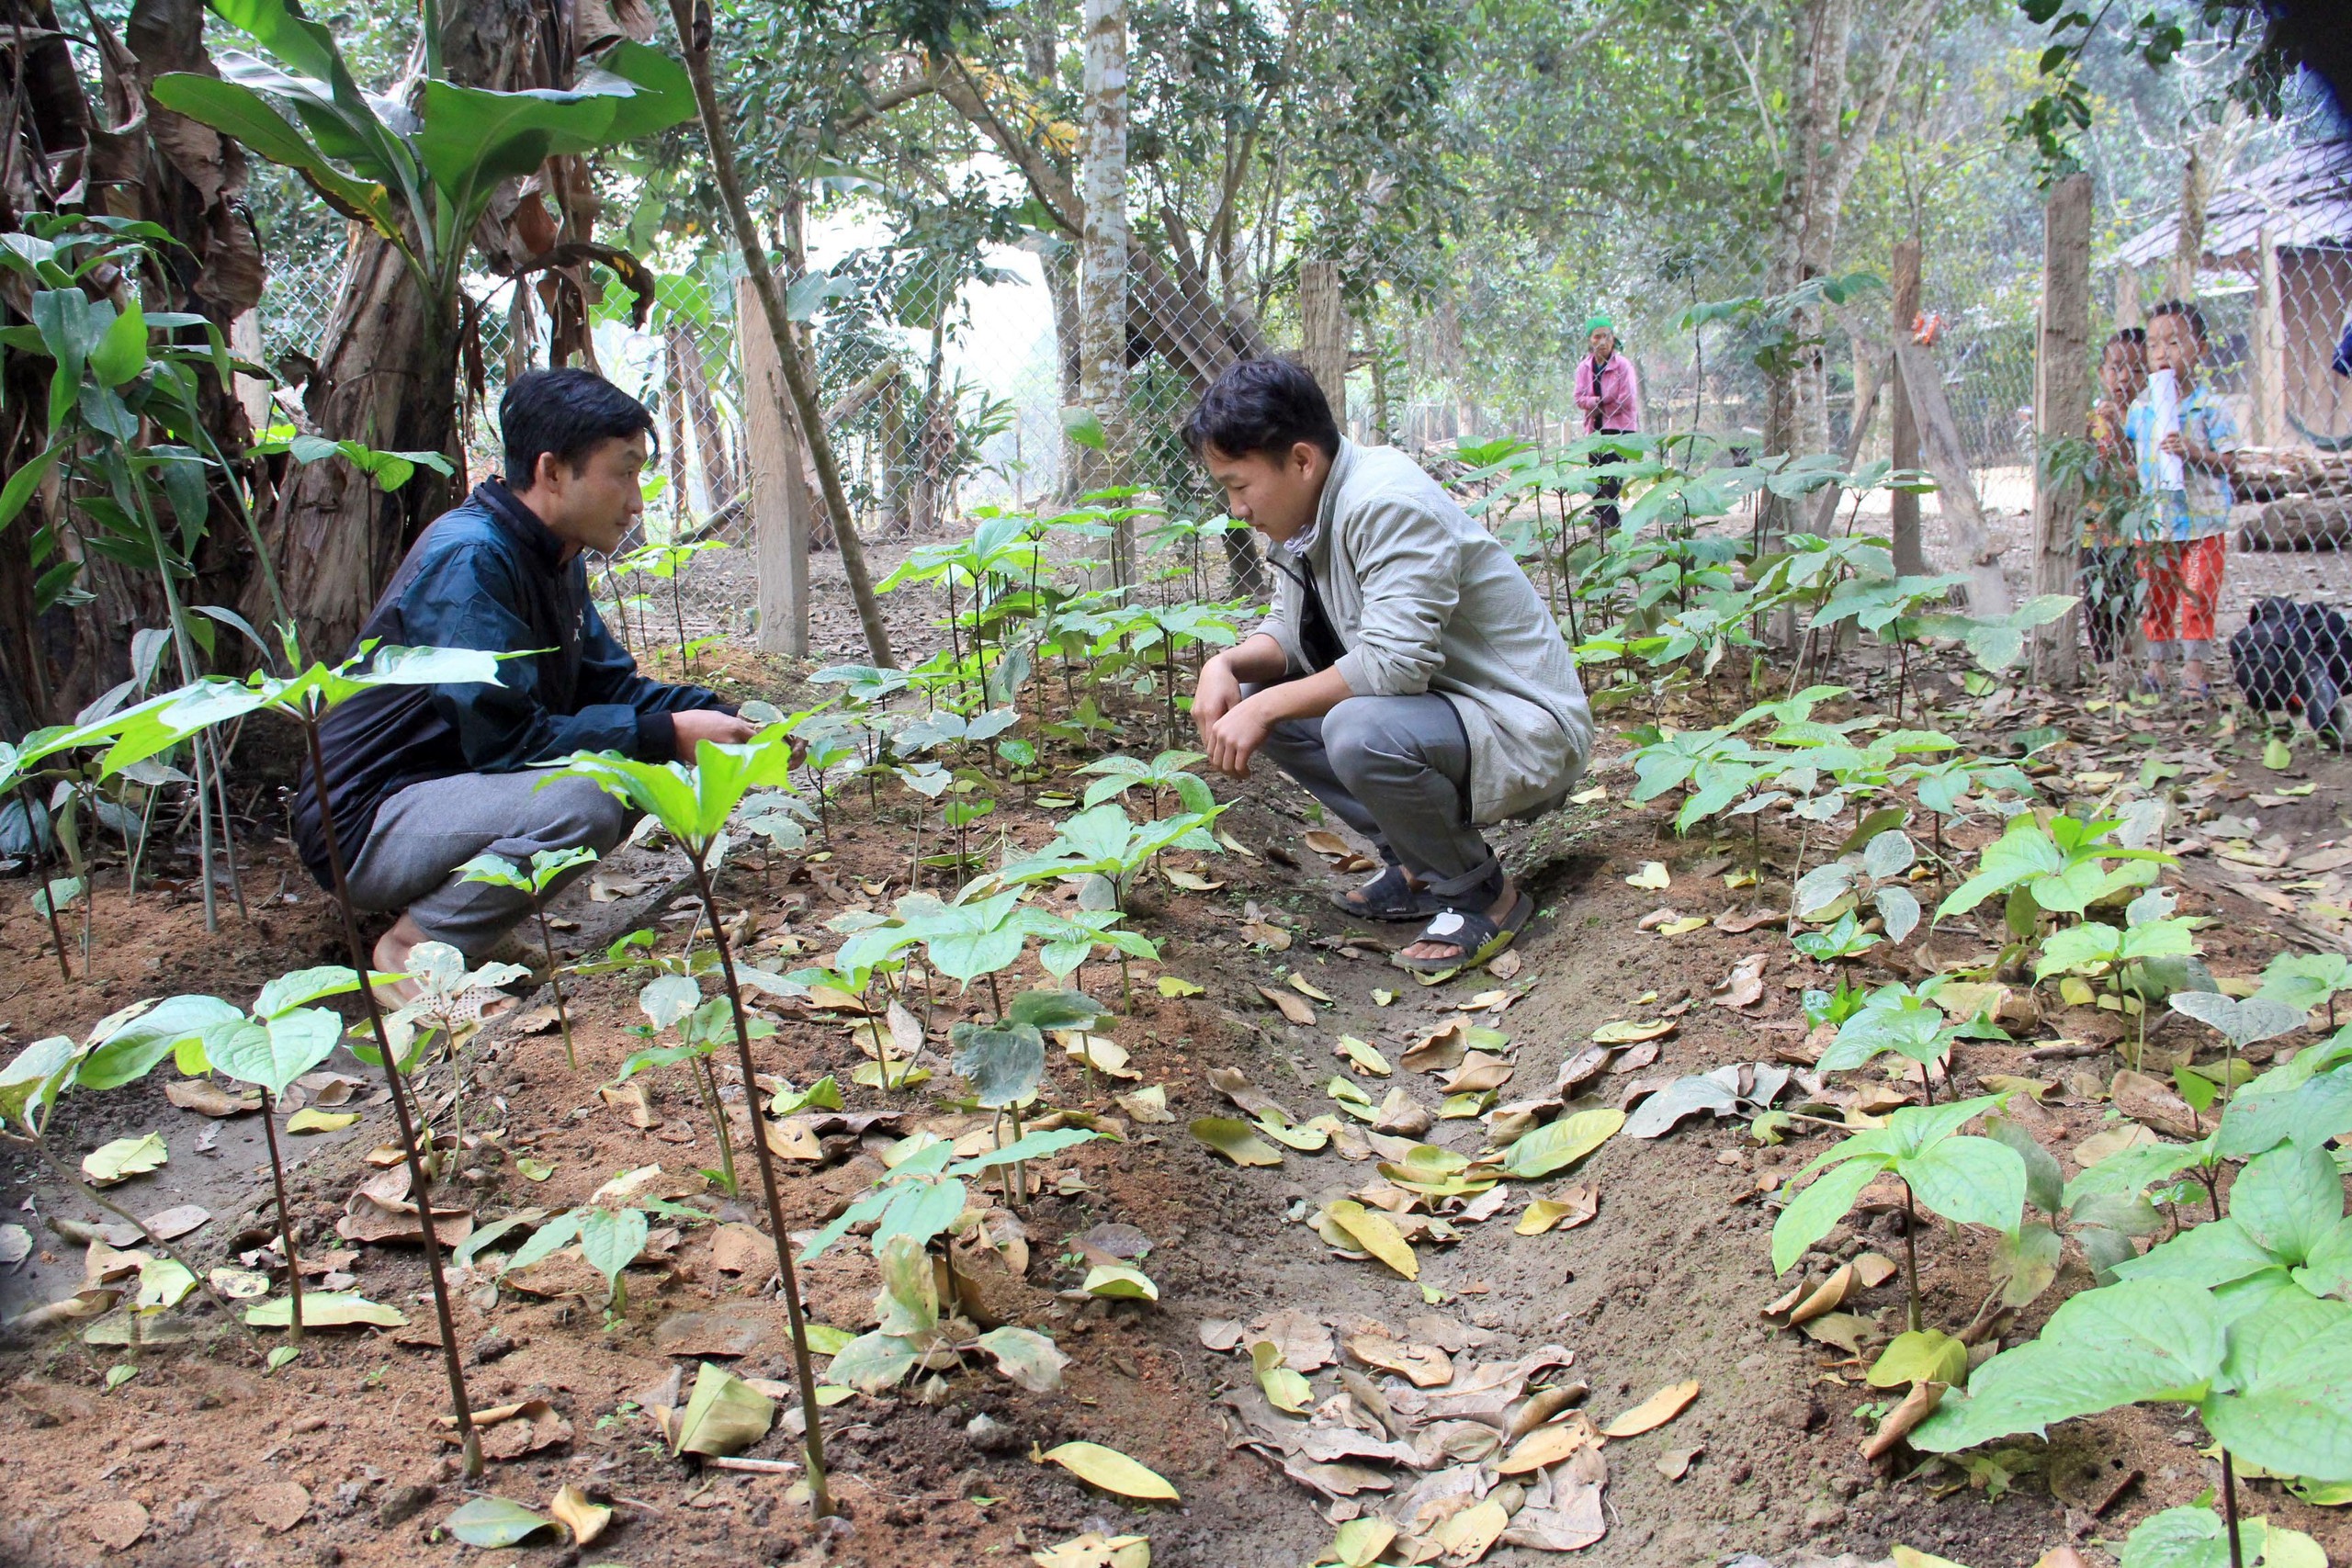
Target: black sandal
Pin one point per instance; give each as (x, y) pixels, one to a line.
(1389, 896)
(1480, 937)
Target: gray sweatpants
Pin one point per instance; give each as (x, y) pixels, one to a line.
(1397, 771)
(423, 833)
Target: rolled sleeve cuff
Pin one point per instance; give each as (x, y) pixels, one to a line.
(1370, 677)
(657, 737)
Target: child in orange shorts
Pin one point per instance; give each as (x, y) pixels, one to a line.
(2184, 539)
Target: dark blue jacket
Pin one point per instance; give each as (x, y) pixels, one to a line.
(486, 575)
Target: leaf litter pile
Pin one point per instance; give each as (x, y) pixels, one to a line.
(1522, 1262)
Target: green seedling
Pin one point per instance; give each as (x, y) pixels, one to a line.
(546, 868)
(1100, 842)
(1965, 1179)
(1879, 869)
(675, 1002)
(2061, 867)
(1166, 774)
(694, 804)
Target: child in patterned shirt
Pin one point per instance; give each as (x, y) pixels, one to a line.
(2183, 537)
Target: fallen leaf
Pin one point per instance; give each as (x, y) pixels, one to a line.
(1402, 1116)
(1545, 1446)
(175, 1222)
(1147, 1105)
(1118, 1283)
(326, 1309)
(278, 1508)
(2152, 1103)
(1219, 1333)
(1377, 1234)
(1625, 1032)
(1753, 920)
(1916, 1407)
(1292, 1007)
(1381, 999)
(1827, 1298)
(311, 1119)
(1506, 966)
(1189, 881)
(1656, 1410)
(1361, 1055)
(629, 1099)
(124, 1158)
(1270, 937)
(584, 1519)
(492, 1522)
(1744, 987)
(1575, 1206)
(1177, 985)
(116, 1525)
(1302, 1337)
(209, 1099)
(1875, 1269)
(2110, 1143)
(1674, 1463)
(1683, 925)
(1560, 1143)
(723, 1415)
(738, 1248)
(1235, 1140)
(1305, 987)
(1095, 1550)
(1112, 1471)
(1425, 1366)
(1469, 1535)
(1652, 878)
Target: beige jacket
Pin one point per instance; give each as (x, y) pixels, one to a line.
(1425, 600)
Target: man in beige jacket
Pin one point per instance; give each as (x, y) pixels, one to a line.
(1408, 675)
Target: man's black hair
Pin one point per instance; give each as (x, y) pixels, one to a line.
(1261, 406)
(570, 412)
(2133, 337)
(2187, 311)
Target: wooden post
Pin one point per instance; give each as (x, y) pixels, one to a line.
(1903, 506)
(2062, 412)
(1324, 335)
(2127, 297)
(779, 494)
(2270, 347)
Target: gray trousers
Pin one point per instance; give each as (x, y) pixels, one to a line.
(428, 830)
(1397, 771)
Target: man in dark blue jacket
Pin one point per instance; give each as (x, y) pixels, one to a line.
(422, 779)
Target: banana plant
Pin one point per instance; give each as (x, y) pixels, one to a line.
(1966, 1180)
(694, 804)
(421, 177)
(546, 867)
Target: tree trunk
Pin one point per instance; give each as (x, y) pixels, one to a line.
(2188, 243)
(1103, 257)
(387, 372)
(2062, 412)
(1902, 505)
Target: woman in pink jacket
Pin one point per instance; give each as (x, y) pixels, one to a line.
(1610, 396)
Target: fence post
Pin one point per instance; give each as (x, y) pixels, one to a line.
(779, 494)
(1903, 506)
(2127, 297)
(1323, 320)
(1103, 259)
(2269, 348)
(2062, 404)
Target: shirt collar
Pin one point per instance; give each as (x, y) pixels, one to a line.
(534, 537)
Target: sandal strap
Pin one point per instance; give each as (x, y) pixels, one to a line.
(1468, 929)
(1484, 877)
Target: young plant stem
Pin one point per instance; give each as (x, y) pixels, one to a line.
(555, 983)
(420, 1181)
(2229, 1508)
(228, 836)
(1911, 1255)
(49, 882)
(706, 1085)
(284, 1219)
(821, 1503)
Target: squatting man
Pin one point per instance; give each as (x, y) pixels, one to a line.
(422, 779)
(1408, 675)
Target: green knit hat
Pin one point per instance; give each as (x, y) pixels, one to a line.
(1600, 324)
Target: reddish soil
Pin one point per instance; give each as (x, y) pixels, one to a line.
(1667, 1283)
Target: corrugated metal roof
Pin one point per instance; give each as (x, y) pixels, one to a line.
(2303, 197)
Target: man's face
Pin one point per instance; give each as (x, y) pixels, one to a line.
(1275, 495)
(594, 508)
(2173, 345)
(1603, 343)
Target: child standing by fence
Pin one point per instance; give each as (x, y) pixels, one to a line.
(2184, 440)
(2105, 567)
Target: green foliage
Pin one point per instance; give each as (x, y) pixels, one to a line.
(1964, 1179)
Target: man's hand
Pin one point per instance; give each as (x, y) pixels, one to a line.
(1234, 737)
(1214, 696)
(698, 725)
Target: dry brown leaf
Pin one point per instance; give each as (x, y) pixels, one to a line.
(1635, 1058)
(1583, 1068)
(1221, 1334)
(1440, 1049)
(1425, 1366)
(1656, 1410)
(175, 1222)
(1270, 937)
(208, 1098)
(1401, 1115)
(1324, 842)
(1674, 1463)
(1831, 1295)
(1506, 965)
(2152, 1103)
(736, 1248)
(1479, 1073)
(1916, 1406)
(1545, 1446)
(1875, 1269)
(1294, 1008)
(1744, 987)
(629, 1099)
(117, 1525)
(279, 1507)
(1754, 919)
(383, 1156)
(584, 1519)
(1566, 1209)
(1302, 1337)
(1305, 987)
